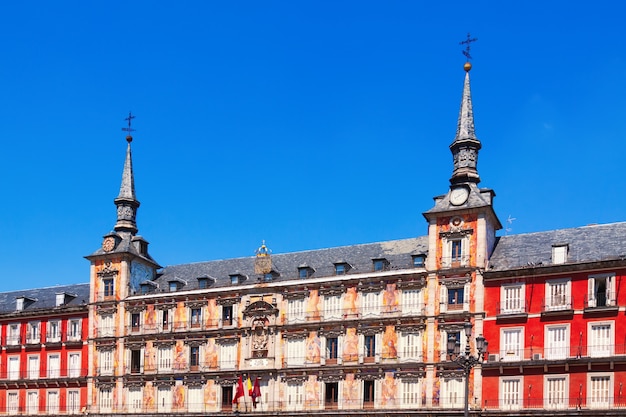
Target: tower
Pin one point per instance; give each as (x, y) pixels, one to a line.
(118, 269)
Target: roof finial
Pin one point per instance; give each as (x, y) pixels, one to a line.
(128, 129)
(466, 51)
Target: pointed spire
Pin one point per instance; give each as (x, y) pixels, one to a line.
(126, 201)
(466, 145)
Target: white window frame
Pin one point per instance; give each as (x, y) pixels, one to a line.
(557, 341)
(54, 331)
(296, 351)
(555, 391)
(332, 307)
(33, 332)
(600, 345)
(195, 398)
(74, 365)
(411, 348)
(13, 334)
(412, 302)
(596, 399)
(13, 367)
(74, 330)
(73, 401)
(559, 254)
(135, 399)
(593, 300)
(511, 392)
(453, 392)
(227, 355)
(443, 297)
(32, 402)
(164, 399)
(370, 303)
(54, 365)
(33, 365)
(294, 396)
(510, 350)
(105, 362)
(410, 393)
(13, 402)
(164, 358)
(296, 309)
(52, 401)
(448, 260)
(444, 341)
(513, 298)
(558, 294)
(107, 327)
(105, 399)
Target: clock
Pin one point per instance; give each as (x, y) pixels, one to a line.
(108, 244)
(139, 273)
(458, 195)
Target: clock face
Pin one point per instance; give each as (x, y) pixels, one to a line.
(138, 274)
(108, 244)
(459, 195)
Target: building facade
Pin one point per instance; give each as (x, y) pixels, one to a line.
(43, 362)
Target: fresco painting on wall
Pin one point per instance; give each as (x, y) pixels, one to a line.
(351, 345)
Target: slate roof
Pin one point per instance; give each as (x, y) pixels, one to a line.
(360, 258)
(44, 298)
(586, 244)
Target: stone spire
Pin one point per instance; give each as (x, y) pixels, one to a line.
(126, 201)
(466, 145)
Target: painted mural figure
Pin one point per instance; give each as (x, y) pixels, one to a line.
(312, 307)
(180, 316)
(150, 357)
(350, 308)
(351, 345)
(151, 320)
(389, 390)
(313, 348)
(210, 395)
(390, 340)
(350, 391)
(312, 392)
(179, 397)
(180, 361)
(391, 303)
(213, 313)
(210, 354)
(148, 396)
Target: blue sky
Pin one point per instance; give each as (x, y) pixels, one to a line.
(308, 124)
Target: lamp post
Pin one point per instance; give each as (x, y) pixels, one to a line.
(466, 360)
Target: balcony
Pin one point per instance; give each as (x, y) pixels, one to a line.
(539, 354)
(512, 309)
(601, 302)
(557, 305)
(452, 262)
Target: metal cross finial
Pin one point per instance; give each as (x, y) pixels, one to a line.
(467, 43)
(129, 119)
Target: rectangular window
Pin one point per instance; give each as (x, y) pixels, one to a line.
(54, 365)
(165, 319)
(511, 341)
(195, 399)
(370, 304)
(228, 356)
(412, 303)
(135, 321)
(33, 367)
(558, 295)
(332, 348)
(340, 269)
(296, 311)
(135, 400)
(52, 402)
(601, 291)
(411, 394)
(410, 347)
(455, 298)
(54, 331)
(456, 250)
(294, 396)
(32, 402)
(13, 334)
(135, 361)
(331, 394)
(194, 357)
(74, 365)
(511, 393)
(32, 335)
(332, 307)
(599, 391)
(512, 299)
(600, 339)
(368, 393)
(106, 362)
(74, 333)
(105, 400)
(73, 401)
(13, 403)
(108, 285)
(227, 315)
(559, 254)
(557, 342)
(295, 352)
(369, 346)
(419, 261)
(164, 359)
(555, 392)
(453, 391)
(106, 328)
(164, 399)
(196, 317)
(14, 368)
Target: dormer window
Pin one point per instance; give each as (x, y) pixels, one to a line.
(176, 284)
(23, 302)
(380, 264)
(63, 298)
(148, 286)
(341, 268)
(173, 286)
(419, 261)
(305, 271)
(236, 279)
(559, 253)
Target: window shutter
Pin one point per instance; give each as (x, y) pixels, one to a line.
(610, 291)
(466, 297)
(443, 299)
(591, 292)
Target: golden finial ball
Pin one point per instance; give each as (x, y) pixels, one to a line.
(467, 66)
(129, 138)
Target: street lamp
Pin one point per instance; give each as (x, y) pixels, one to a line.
(466, 360)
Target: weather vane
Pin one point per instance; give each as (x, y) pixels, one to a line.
(129, 129)
(467, 43)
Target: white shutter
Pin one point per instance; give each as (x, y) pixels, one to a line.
(591, 293)
(611, 299)
(195, 399)
(466, 297)
(443, 299)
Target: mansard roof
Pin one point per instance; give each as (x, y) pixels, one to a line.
(285, 267)
(45, 298)
(593, 243)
